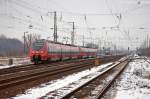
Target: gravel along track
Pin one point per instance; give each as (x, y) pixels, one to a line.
(13, 84)
(134, 83)
(88, 84)
(12, 79)
(32, 66)
(10, 76)
(17, 80)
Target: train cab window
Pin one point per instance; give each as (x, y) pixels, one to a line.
(37, 45)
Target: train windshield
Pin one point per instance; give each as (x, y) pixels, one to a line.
(37, 45)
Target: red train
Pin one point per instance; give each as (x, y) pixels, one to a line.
(44, 50)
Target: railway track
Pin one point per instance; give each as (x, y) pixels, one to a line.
(106, 87)
(85, 90)
(32, 66)
(20, 79)
(146, 59)
(12, 79)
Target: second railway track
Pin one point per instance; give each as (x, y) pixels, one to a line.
(11, 79)
(32, 66)
(93, 88)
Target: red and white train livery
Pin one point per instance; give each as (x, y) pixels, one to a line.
(44, 50)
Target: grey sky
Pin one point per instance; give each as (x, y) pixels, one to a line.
(99, 15)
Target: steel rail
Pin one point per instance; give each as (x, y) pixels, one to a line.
(68, 95)
(32, 66)
(107, 86)
(146, 60)
(23, 78)
(9, 76)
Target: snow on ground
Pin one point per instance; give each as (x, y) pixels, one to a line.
(21, 61)
(57, 94)
(7, 66)
(17, 62)
(134, 83)
(14, 65)
(57, 84)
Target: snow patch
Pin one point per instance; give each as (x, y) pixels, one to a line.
(57, 84)
(135, 81)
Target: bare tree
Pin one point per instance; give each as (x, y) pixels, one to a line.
(30, 38)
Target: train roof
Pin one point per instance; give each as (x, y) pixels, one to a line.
(64, 44)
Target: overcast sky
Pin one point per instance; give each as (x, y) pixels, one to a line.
(121, 22)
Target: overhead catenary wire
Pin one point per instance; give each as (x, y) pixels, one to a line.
(42, 13)
(113, 15)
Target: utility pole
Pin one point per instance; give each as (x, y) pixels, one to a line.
(25, 42)
(99, 44)
(83, 40)
(55, 27)
(72, 35)
(147, 41)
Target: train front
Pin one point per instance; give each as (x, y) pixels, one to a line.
(38, 51)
